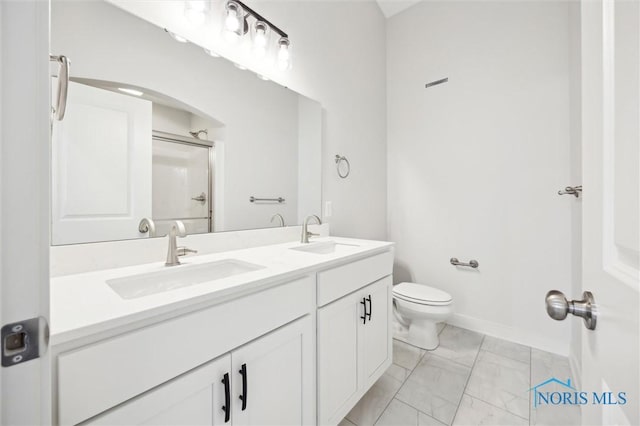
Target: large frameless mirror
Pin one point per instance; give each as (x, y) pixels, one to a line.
(157, 130)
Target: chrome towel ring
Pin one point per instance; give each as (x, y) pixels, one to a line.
(339, 160)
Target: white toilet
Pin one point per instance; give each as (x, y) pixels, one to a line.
(418, 308)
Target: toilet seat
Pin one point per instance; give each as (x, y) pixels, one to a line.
(421, 294)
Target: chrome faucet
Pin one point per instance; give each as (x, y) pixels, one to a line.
(176, 230)
(279, 217)
(305, 233)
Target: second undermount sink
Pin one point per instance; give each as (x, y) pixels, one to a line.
(324, 247)
(141, 285)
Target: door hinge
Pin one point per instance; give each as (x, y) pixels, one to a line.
(21, 341)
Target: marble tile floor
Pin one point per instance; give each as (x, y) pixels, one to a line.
(470, 379)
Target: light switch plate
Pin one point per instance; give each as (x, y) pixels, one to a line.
(328, 209)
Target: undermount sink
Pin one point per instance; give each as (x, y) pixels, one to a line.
(324, 247)
(141, 285)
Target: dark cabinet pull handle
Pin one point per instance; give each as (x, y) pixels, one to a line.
(243, 397)
(227, 398)
(370, 308)
(364, 305)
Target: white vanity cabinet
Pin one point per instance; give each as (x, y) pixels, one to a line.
(354, 336)
(270, 332)
(298, 348)
(267, 381)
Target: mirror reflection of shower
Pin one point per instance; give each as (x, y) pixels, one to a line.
(181, 185)
(123, 139)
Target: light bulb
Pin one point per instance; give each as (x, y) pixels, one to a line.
(212, 53)
(195, 11)
(284, 54)
(234, 19)
(260, 38)
(232, 23)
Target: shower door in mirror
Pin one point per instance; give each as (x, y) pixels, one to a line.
(101, 168)
(181, 183)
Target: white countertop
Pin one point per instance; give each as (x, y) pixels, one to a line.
(84, 304)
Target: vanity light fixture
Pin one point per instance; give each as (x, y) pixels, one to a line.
(176, 37)
(196, 11)
(236, 25)
(133, 92)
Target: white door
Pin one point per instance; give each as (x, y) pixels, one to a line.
(24, 199)
(374, 336)
(337, 343)
(101, 167)
(273, 378)
(195, 398)
(611, 159)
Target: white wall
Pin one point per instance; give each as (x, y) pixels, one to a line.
(339, 60)
(260, 118)
(172, 120)
(475, 163)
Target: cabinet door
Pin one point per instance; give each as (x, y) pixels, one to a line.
(338, 325)
(374, 336)
(273, 377)
(195, 398)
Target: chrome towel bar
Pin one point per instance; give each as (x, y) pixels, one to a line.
(253, 199)
(472, 263)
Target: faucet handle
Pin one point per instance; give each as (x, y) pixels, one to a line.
(183, 251)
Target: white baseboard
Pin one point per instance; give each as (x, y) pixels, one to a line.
(511, 334)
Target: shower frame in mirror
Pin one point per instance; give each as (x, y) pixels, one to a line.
(200, 143)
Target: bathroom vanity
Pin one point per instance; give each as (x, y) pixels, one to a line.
(280, 334)
(285, 333)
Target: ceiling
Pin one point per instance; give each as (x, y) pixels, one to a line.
(392, 7)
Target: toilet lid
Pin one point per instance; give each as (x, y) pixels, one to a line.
(420, 293)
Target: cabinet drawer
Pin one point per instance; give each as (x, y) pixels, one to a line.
(100, 376)
(337, 282)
